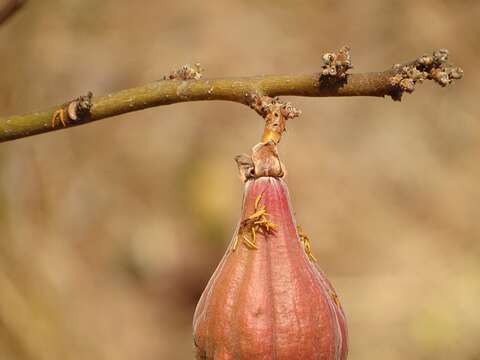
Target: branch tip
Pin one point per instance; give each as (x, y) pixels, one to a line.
(427, 67)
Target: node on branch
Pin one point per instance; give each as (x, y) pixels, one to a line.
(76, 110)
(276, 113)
(435, 67)
(336, 64)
(186, 72)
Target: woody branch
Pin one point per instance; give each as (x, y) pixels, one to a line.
(8, 8)
(187, 84)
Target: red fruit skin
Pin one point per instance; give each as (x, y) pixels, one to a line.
(270, 303)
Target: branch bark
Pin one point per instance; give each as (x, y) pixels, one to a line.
(9, 9)
(185, 85)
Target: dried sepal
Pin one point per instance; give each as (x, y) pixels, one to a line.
(266, 161)
(246, 168)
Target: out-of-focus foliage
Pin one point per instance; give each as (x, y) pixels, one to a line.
(109, 232)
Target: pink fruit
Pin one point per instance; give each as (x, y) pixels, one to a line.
(268, 301)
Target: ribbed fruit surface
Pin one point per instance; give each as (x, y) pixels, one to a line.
(273, 302)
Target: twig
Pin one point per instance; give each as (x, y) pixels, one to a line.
(9, 9)
(331, 81)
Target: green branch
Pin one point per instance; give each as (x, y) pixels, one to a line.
(186, 85)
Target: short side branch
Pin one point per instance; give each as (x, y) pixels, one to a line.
(186, 84)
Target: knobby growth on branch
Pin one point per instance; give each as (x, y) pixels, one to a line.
(258, 92)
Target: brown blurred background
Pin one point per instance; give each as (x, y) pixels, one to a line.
(109, 232)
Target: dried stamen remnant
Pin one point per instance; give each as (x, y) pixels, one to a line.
(305, 240)
(435, 67)
(186, 72)
(257, 222)
(77, 109)
(337, 64)
(334, 297)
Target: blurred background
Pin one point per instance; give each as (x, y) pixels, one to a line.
(110, 231)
